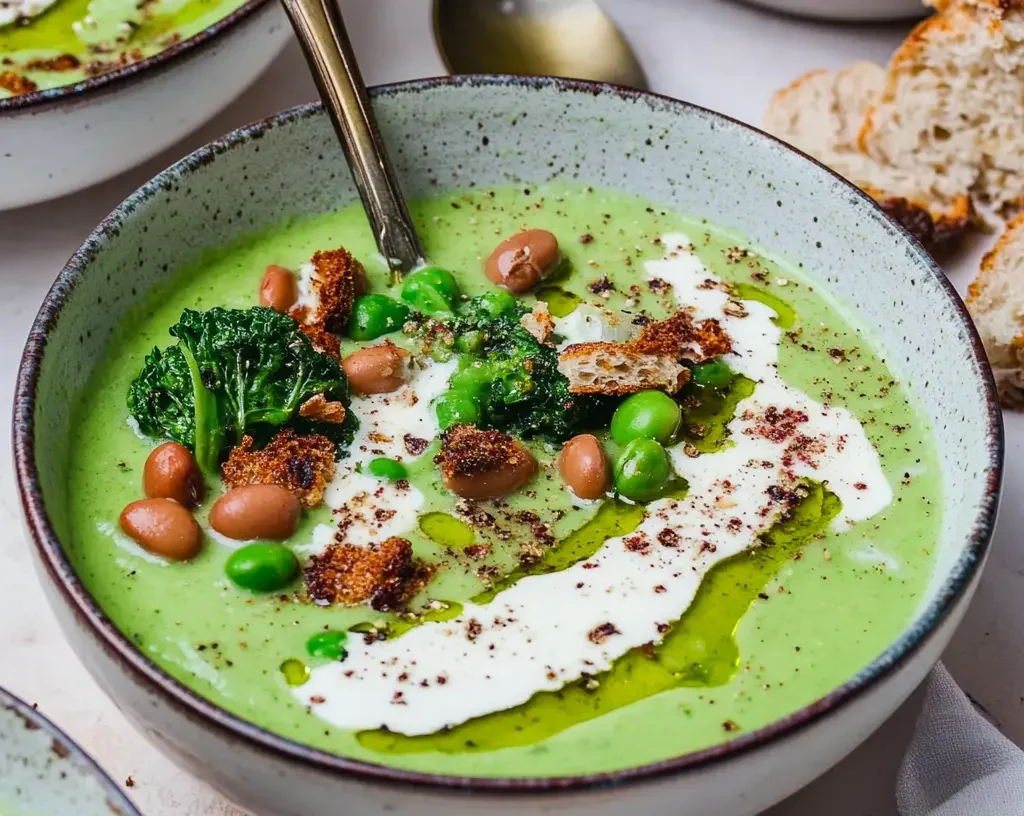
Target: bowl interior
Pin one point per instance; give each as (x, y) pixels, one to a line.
(43, 772)
(458, 133)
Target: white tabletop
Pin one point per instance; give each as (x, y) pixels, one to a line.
(713, 52)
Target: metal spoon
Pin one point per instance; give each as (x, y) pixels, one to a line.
(325, 42)
(569, 38)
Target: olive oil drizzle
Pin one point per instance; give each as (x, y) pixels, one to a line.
(699, 650)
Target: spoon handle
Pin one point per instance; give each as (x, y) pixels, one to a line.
(325, 42)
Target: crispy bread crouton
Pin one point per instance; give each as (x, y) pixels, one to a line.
(651, 360)
(303, 464)
(322, 340)
(996, 302)
(538, 322)
(616, 369)
(478, 464)
(320, 409)
(385, 575)
(336, 280)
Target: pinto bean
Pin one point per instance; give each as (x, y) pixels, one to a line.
(265, 511)
(584, 466)
(171, 472)
(376, 369)
(278, 289)
(478, 464)
(522, 261)
(163, 527)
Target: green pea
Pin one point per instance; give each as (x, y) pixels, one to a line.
(262, 567)
(713, 374)
(329, 645)
(470, 342)
(497, 303)
(456, 407)
(646, 415)
(384, 468)
(642, 470)
(431, 290)
(473, 377)
(376, 315)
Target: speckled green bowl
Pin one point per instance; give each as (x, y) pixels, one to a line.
(453, 133)
(44, 773)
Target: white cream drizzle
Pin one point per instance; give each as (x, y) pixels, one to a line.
(591, 324)
(308, 298)
(549, 630)
(385, 420)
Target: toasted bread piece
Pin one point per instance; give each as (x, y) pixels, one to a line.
(385, 575)
(303, 464)
(538, 322)
(616, 369)
(996, 302)
(822, 113)
(651, 360)
(949, 113)
(328, 287)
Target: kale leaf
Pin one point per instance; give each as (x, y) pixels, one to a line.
(515, 379)
(235, 372)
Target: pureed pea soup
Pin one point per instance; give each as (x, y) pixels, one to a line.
(665, 496)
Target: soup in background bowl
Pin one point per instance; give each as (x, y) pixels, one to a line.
(88, 90)
(708, 571)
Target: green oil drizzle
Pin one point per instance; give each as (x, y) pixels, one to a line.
(561, 302)
(709, 410)
(295, 672)
(785, 314)
(615, 518)
(446, 530)
(399, 626)
(699, 650)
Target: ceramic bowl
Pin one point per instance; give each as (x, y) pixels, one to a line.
(452, 133)
(44, 773)
(57, 141)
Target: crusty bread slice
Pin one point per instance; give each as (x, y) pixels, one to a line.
(616, 369)
(950, 111)
(651, 360)
(822, 114)
(996, 302)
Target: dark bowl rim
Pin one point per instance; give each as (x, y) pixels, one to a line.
(33, 718)
(190, 704)
(110, 81)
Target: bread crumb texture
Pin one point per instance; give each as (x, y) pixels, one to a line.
(935, 130)
(302, 464)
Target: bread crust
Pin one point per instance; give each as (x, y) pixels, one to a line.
(999, 315)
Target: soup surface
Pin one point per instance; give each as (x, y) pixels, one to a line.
(48, 43)
(757, 538)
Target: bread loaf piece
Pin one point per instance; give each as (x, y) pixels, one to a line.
(949, 113)
(823, 112)
(996, 302)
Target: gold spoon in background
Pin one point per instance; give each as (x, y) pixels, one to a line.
(321, 31)
(568, 38)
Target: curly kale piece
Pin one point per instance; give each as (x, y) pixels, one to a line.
(509, 380)
(235, 372)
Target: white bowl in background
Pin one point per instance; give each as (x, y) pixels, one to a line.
(57, 141)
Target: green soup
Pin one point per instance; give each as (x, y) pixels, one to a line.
(73, 40)
(770, 629)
